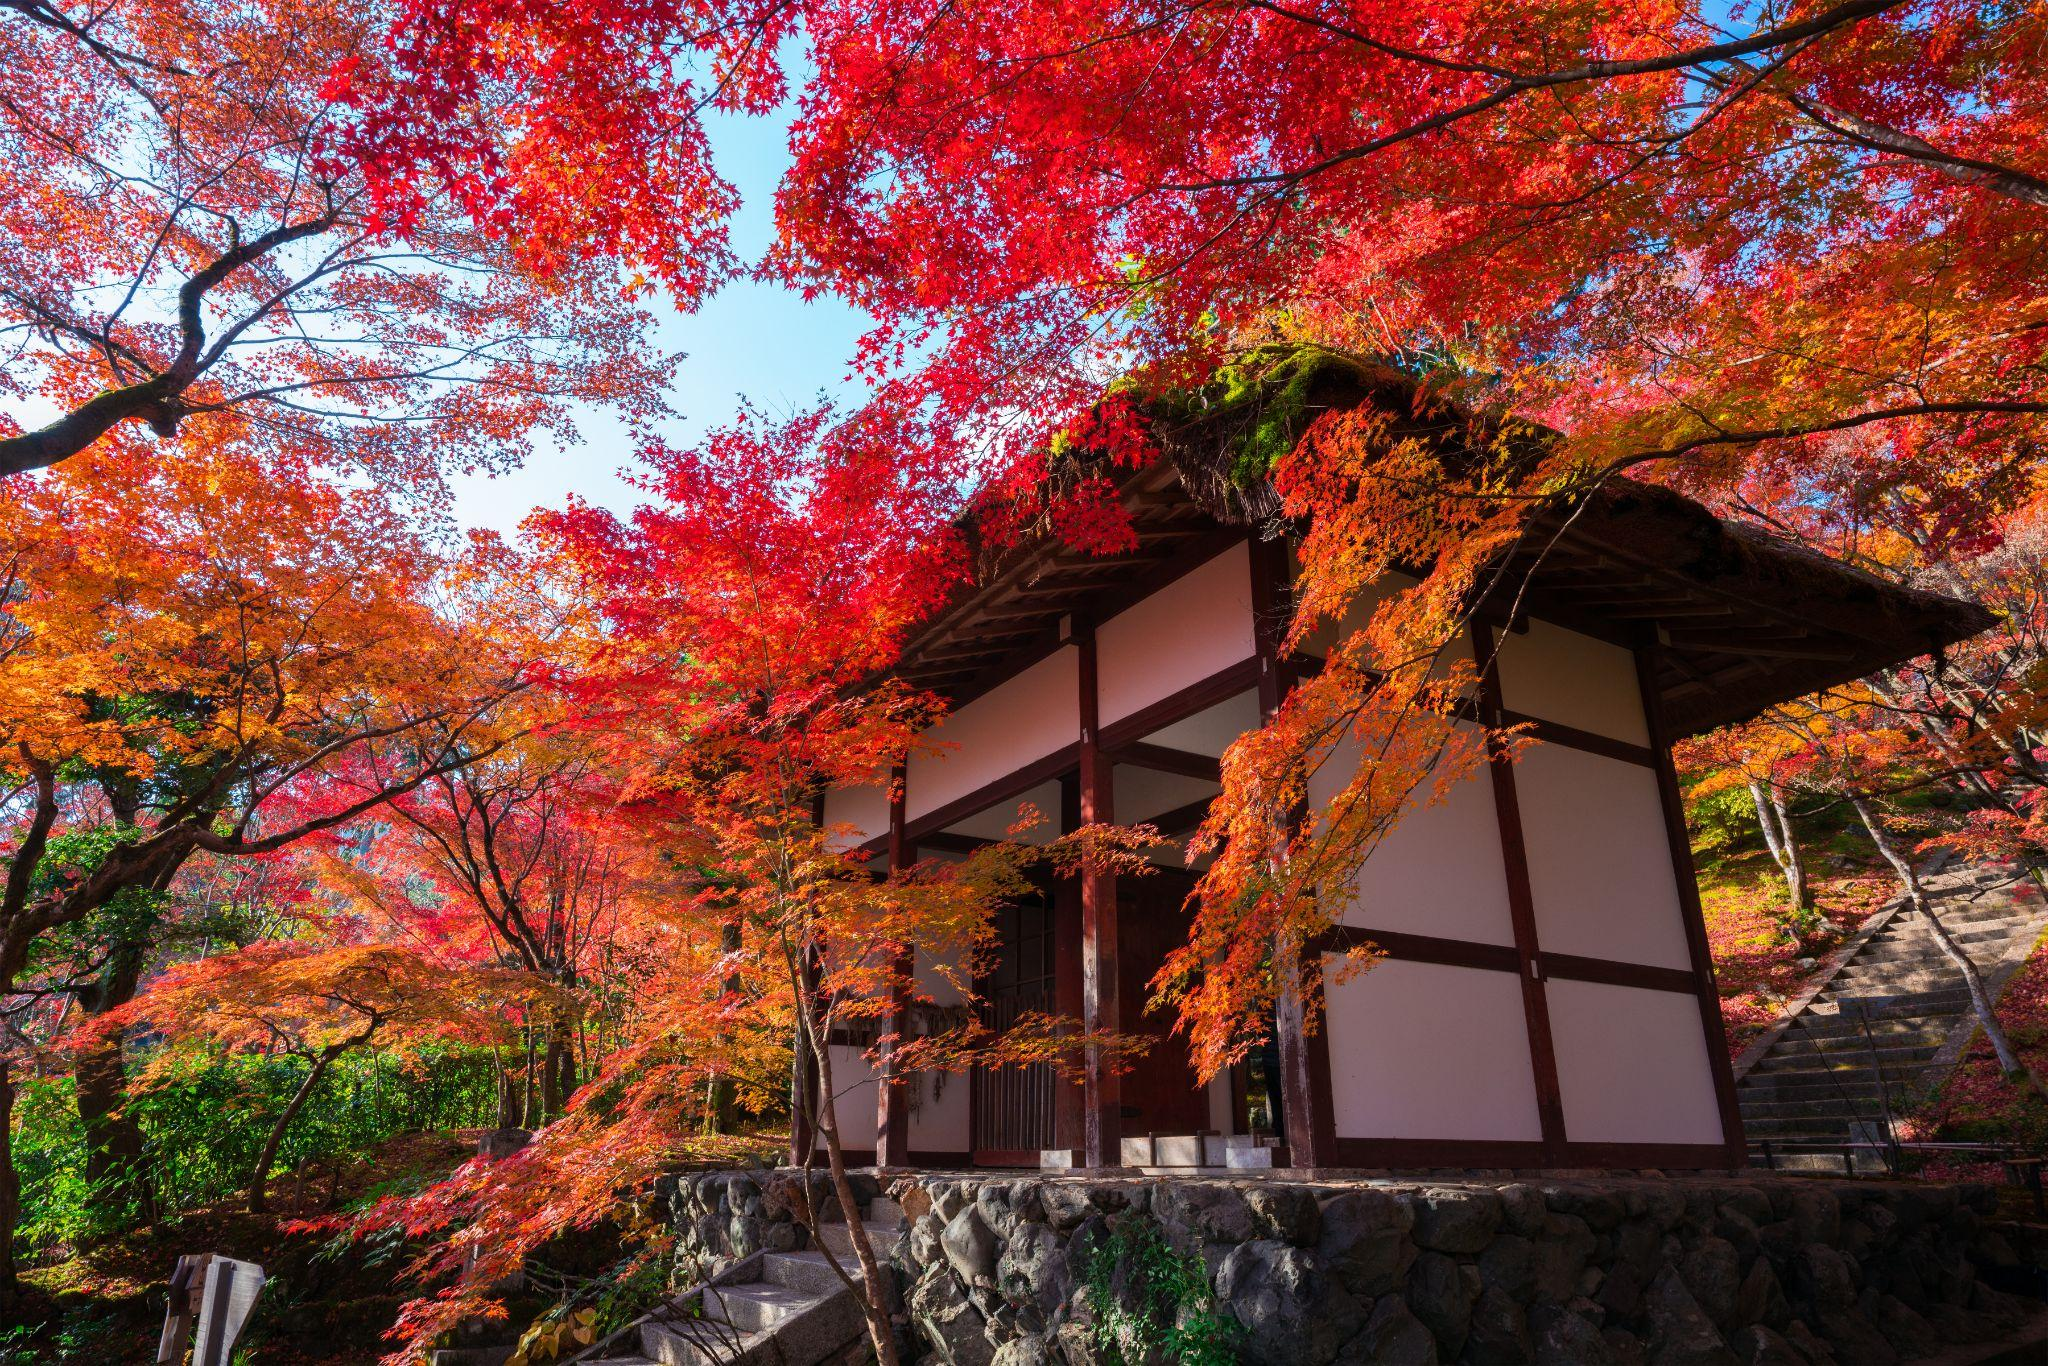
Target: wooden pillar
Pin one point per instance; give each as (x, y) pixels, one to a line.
(1697, 950)
(1069, 1096)
(1521, 899)
(1306, 1109)
(1101, 1011)
(892, 1107)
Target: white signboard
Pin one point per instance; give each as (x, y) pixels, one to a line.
(211, 1299)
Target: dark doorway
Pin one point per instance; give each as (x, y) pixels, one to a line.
(1159, 1092)
(1013, 1106)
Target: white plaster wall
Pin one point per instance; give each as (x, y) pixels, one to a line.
(1142, 793)
(1600, 869)
(1320, 640)
(941, 1125)
(1020, 720)
(1439, 871)
(1198, 625)
(932, 979)
(993, 823)
(1221, 1119)
(853, 1095)
(1421, 1050)
(1632, 1065)
(866, 809)
(1563, 676)
(1211, 730)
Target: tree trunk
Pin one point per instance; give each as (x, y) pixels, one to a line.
(10, 1185)
(1775, 820)
(566, 1080)
(2009, 1062)
(555, 1069)
(873, 1297)
(508, 1093)
(260, 1178)
(116, 1160)
(529, 1094)
(723, 1101)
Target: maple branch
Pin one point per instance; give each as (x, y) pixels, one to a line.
(1752, 437)
(1854, 11)
(22, 866)
(1878, 137)
(155, 399)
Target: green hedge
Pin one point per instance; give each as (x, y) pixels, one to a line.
(203, 1129)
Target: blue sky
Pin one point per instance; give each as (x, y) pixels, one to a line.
(752, 339)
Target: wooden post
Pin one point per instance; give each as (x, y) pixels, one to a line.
(1306, 1109)
(1069, 1096)
(1521, 899)
(892, 1108)
(1102, 1088)
(1673, 809)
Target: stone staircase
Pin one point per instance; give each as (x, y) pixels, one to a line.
(770, 1309)
(1888, 1016)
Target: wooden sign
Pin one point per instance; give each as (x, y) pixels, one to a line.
(211, 1300)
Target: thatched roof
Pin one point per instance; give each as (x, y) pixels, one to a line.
(1744, 619)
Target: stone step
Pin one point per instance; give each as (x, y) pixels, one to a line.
(756, 1304)
(806, 1271)
(1901, 1005)
(1921, 948)
(884, 1211)
(1794, 1086)
(1967, 911)
(1800, 1128)
(1918, 935)
(1837, 1060)
(1829, 1109)
(700, 1342)
(1891, 981)
(839, 1238)
(1912, 930)
(1825, 1026)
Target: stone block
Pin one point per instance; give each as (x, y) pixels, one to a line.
(1438, 1295)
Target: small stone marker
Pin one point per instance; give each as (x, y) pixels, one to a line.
(214, 1294)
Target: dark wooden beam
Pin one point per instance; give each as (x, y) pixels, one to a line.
(1571, 737)
(946, 842)
(1182, 703)
(1069, 1003)
(1164, 759)
(1735, 1151)
(1182, 818)
(1307, 1104)
(988, 794)
(1521, 899)
(1102, 1102)
(892, 1105)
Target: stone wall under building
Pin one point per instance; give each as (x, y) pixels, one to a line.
(1679, 1271)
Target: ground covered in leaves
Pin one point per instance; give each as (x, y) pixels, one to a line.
(323, 1305)
(1758, 969)
(1977, 1104)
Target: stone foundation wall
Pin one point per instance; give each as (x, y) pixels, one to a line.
(723, 1216)
(1667, 1272)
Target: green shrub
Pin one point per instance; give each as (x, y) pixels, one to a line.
(203, 1128)
(1148, 1301)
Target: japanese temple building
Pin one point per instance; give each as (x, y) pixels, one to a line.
(1546, 999)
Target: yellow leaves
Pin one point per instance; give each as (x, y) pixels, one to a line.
(555, 1336)
(308, 999)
